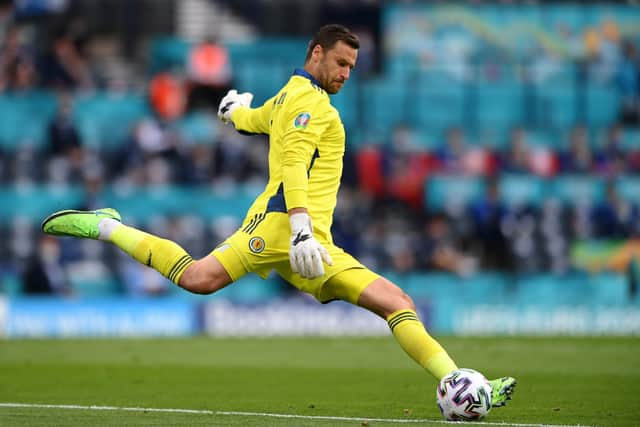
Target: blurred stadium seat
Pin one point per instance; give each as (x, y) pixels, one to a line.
(106, 119)
(442, 192)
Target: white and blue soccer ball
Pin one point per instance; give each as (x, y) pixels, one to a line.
(464, 395)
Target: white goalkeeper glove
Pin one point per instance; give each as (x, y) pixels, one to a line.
(306, 253)
(231, 101)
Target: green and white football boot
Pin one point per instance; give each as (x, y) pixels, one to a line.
(501, 391)
(78, 223)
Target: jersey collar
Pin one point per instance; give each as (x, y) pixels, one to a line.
(304, 73)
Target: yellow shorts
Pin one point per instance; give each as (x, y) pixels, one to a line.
(265, 247)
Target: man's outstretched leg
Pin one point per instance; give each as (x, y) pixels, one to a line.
(165, 256)
(391, 303)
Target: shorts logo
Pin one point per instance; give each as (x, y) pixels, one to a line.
(256, 245)
(302, 120)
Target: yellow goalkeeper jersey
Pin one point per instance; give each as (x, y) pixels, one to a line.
(306, 147)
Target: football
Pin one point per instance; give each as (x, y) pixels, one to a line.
(464, 395)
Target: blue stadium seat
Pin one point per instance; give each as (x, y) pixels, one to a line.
(570, 18)
(499, 104)
(437, 100)
(260, 77)
(36, 202)
(603, 104)
(556, 106)
(628, 187)
(168, 52)
(199, 128)
(215, 204)
(384, 104)
(139, 204)
(106, 120)
(631, 139)
(520, 190)
(25, 118)
(442, 192)
(575, 189)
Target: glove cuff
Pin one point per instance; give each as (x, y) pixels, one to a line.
(300, 222)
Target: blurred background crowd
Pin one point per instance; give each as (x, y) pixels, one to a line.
(481, 136)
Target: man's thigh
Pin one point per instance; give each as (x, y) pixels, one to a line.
(348, 285)
(258, 247)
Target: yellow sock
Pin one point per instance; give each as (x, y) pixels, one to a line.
(414, 339)
(161, 254)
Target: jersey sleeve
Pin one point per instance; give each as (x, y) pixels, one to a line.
(253, 120)
(306, 119)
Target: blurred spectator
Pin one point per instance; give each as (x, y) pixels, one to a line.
(603, 48)
(611, 159)
(21, 75)
(65, 146)
(353, 209)
(63, 66)
(6, 13)
(451, 154)
(614, 217)
(93, 182)
(553, 225)
(209, 73)
(43, 273)
(167, 96)
(17, 71)
(578, 158)
(154, 152)
(516, 158)
(520, 229)
(437, 249)
(522, 157)
(487, 214)
(370, 171)
(231, 158)
(457, 156)
(371, 244)
(628, 79)
(406, 166)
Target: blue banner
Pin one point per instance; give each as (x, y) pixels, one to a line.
(44, 317)
(299, 316)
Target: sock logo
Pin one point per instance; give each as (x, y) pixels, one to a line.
(256, 245)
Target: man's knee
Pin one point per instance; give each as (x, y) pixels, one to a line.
(405, 302)
(205, 276)
(384, 298)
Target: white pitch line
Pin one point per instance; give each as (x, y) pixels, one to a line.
(261, 414)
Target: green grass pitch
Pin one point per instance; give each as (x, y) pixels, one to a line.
(561, 381)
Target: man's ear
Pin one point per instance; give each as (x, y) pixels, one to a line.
(317, 51)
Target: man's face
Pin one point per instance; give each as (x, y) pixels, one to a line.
(334, 65)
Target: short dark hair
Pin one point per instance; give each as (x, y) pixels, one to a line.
(329, 35)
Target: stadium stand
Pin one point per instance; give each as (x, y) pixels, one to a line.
(461, 74)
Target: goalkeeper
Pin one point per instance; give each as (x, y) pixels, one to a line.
(287, 228)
